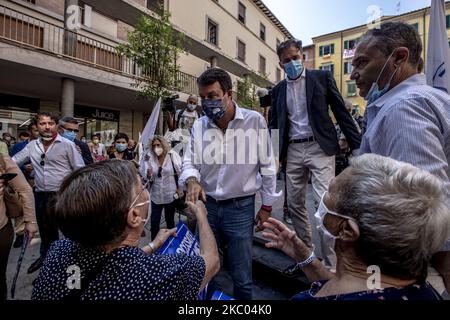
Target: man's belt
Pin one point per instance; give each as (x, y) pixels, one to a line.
(310, 139)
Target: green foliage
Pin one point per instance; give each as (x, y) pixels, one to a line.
(246, 94)
(155, 48)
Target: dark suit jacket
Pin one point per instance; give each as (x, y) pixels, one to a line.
(321, 92)
(85, 152)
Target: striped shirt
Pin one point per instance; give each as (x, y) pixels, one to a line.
(411, 123)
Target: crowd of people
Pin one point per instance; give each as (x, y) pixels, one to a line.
(387, 207)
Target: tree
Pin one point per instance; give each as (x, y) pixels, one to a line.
(155, 48)
(246, 94)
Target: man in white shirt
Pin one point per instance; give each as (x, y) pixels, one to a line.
(300, 110)
(53, 158)
(230, 158)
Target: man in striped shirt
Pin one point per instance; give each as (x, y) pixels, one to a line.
(407, 120)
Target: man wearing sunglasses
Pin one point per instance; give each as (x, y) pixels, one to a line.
(68, 128)
(53, 158)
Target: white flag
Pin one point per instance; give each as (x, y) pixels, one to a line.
(438, 56)
(149, 132)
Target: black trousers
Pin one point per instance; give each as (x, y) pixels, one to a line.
(45, 204)
(6, 240)
(169, 213)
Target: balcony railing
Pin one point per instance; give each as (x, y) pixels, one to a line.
(46, 37)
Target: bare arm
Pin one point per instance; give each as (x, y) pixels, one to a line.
(208, 246)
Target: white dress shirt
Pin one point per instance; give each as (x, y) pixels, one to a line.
(163, 188)
(61, 159)
(228, 165)
(297, 108)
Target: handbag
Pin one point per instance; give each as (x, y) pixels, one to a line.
(13, 202)
(179, 202)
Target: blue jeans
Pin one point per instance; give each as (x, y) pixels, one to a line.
(232, 225)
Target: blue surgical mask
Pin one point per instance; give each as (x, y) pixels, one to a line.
(375, 93)
(191, 107)
(294, 69)
(121, 147)
(69, 135)
(214, 109)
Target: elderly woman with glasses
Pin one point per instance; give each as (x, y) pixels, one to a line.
(163, 168)
(101, 209)
(385, 220)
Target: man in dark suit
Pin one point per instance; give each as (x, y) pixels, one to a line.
(308, 139)
(68, 128)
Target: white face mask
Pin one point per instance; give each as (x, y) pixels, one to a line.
(322, 211)
(159, 151)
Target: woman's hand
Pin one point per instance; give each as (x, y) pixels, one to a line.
(286, 240)
(31, 229)
(161, 237)
(198, 210)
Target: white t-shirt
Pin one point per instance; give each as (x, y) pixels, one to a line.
(99, 152)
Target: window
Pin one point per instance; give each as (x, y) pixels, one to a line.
(278, 74)
(326, 50)
(351, 89)
(449, 43)
(262, 32)
(328, 67)
(278, 44)
(262, 65)
(31, 1)
(447, 21)
(242, 13)
(156, 6)
(348, 68)
(212, 36)
(241, 51)
(415, 26)
(350, 44)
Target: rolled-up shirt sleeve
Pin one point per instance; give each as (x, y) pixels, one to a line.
(267, 163)
(189, 167)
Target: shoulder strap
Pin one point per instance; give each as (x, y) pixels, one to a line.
(175, 174)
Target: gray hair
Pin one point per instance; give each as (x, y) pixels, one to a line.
(93, 202)
(401, 213)
(392, 35)
(193, 96)
(64, 120)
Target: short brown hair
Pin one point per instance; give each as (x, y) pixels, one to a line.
(93, 202)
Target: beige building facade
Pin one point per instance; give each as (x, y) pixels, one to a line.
(46, 66)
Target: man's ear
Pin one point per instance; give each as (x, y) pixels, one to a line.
(401, 56)
(133, 218)
(350, 231)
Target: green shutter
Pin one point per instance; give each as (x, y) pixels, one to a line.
(332, 48)
(346, 46)
(447, 19)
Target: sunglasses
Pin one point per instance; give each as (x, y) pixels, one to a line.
(159, 172)
(42, 163)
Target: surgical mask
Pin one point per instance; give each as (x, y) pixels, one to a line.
(293, 69)
(375, 93)
(214, 109)
(159, 151)
(69, 135)
(84, 140)
(322, 210)
(191, 107)
(121, 147)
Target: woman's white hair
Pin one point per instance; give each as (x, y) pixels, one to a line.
(401, 211)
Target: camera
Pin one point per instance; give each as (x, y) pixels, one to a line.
(168, 104)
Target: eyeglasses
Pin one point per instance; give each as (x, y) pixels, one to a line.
(159, 172)
(144, 187)
(42, 163)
